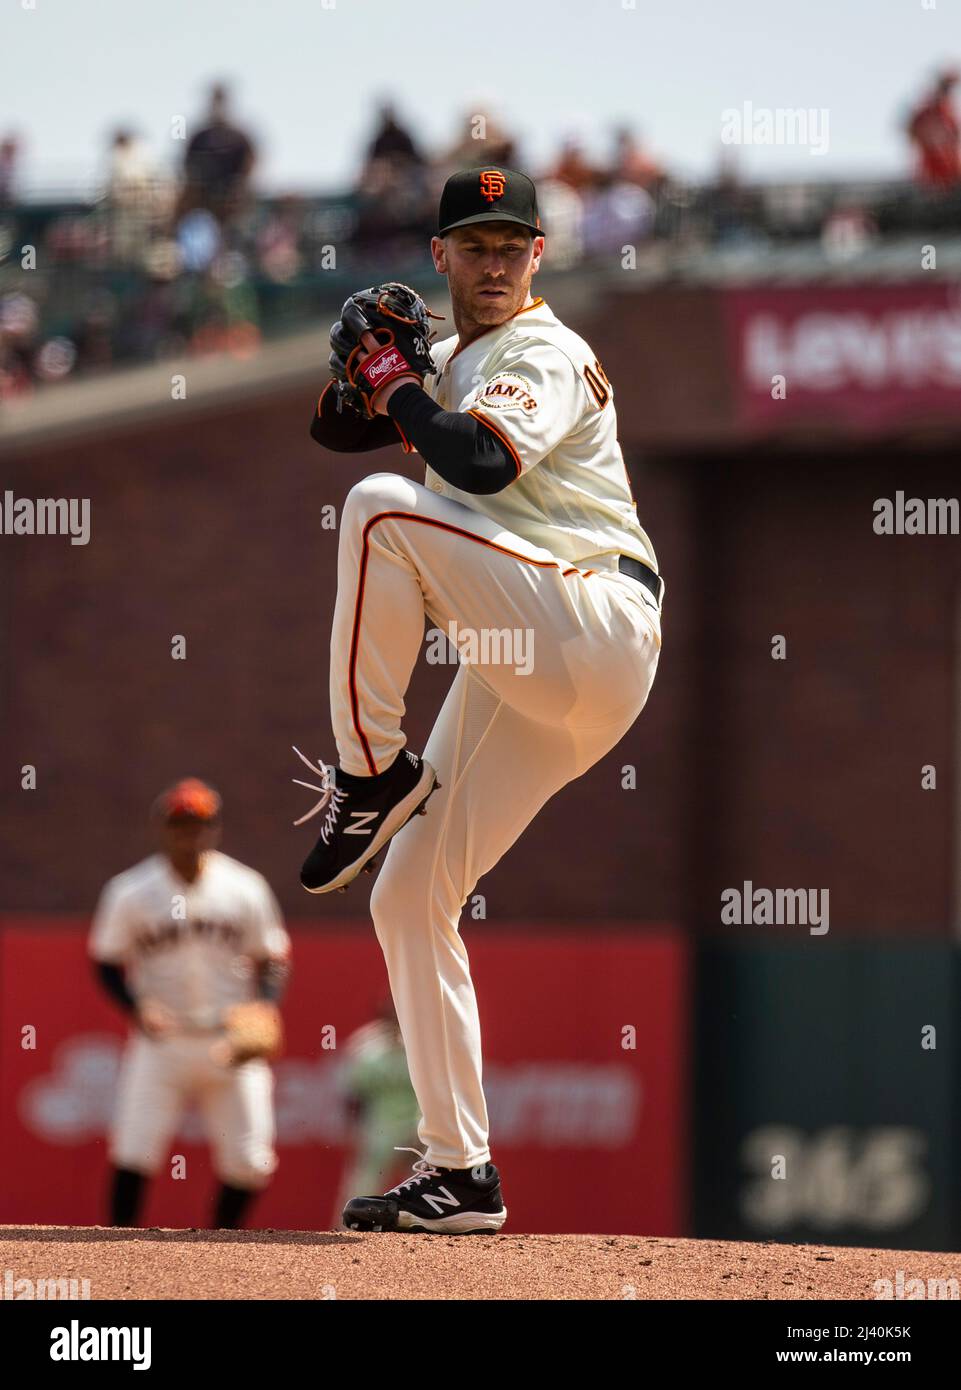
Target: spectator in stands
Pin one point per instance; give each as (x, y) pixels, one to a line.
(847, 232)
(935, 131)
(157, 323)
(392, 201)
(9, 155)
(199, 240)
(573, 166)
(615, 214)
(131, 168)
(394, 195)
(391, 140)
(562, 213)
(632, 163)
(218, 162)
(278, 240)
(25, 360)
(93, 334)
(725, 213)
(483, 140)
(19, 323)
(138, 196)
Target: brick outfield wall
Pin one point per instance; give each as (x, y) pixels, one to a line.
(804, 773)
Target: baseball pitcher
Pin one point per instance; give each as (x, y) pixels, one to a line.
(523, 533)
(192, 945)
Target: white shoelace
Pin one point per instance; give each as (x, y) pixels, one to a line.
(422, 1169)
(331, 796)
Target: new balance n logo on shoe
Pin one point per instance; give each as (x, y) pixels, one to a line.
(438, 1201)
(372, 813)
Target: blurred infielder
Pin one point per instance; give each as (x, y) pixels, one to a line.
(524, 531)
(192, 944)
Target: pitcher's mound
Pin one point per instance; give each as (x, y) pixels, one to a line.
(157, 1263)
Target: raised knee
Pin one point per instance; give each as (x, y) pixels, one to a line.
(407, 898)
(396, 903)
(380, 492)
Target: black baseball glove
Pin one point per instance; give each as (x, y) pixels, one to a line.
(400, 321)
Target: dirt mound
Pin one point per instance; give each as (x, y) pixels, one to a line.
(306, 1264)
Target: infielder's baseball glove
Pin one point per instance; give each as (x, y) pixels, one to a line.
(253, 1030)
(400, 321)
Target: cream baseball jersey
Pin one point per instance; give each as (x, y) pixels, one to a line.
(189, 945)
(539, 386)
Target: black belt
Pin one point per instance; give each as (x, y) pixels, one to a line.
(644, 574)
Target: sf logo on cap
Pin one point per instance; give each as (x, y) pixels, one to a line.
(492, 184)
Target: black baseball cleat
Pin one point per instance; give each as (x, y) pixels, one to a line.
(362, 815)
(448, 1201)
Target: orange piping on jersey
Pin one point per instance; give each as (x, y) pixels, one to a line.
(502, 437)
(461, 347)
(359, 603)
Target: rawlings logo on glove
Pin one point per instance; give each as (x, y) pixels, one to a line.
(383, 366)
(399, 320)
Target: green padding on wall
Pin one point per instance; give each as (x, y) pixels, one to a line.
(819, 1113)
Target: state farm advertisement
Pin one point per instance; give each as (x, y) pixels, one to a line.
(860, 359)
(585, 1038)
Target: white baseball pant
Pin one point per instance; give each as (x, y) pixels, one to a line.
(158, 1077)
(503, 744)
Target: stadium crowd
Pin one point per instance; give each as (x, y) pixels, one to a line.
(192, 260)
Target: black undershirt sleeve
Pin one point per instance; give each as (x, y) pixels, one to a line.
(271, 979)
(456, 445)
(114, 980)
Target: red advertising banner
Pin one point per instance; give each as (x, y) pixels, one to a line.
(860, 359)
(586, 1045)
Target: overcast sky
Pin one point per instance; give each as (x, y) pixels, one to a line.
(307, 74)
